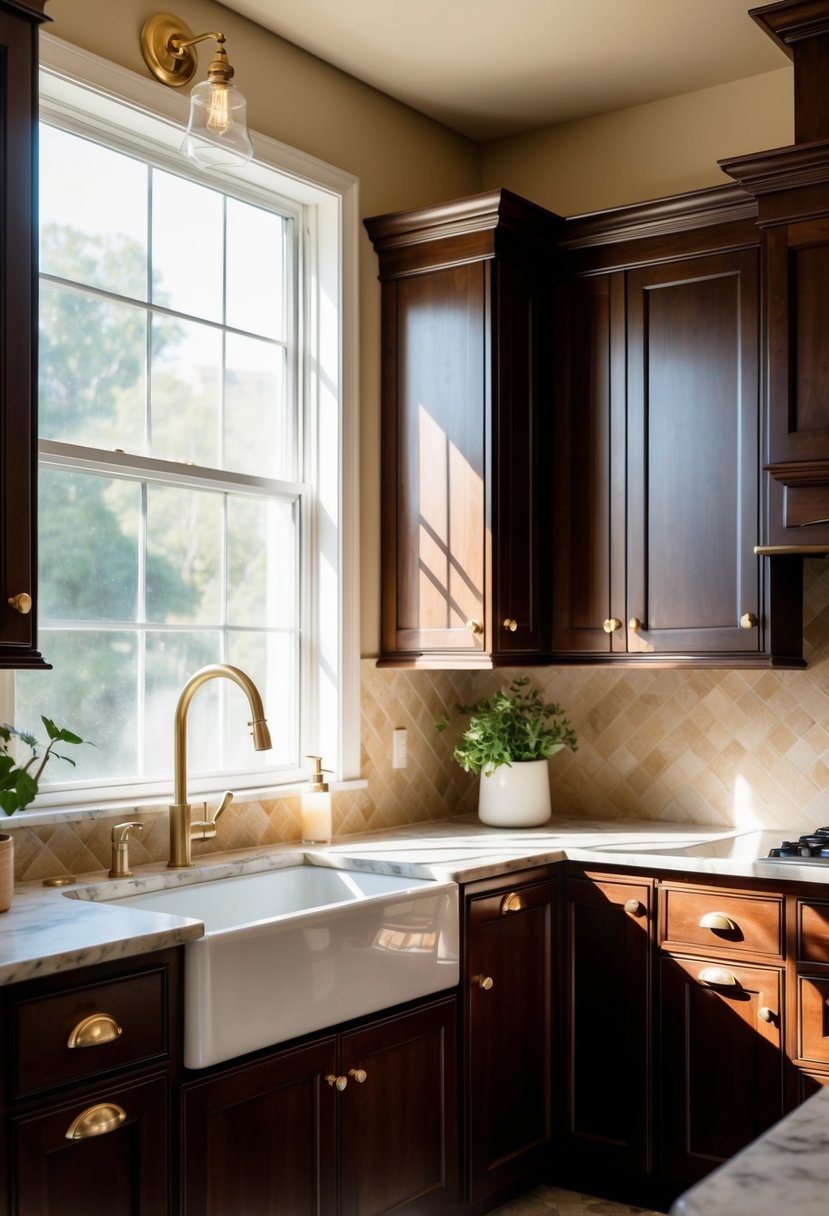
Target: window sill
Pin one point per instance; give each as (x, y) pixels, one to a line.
(156, 806)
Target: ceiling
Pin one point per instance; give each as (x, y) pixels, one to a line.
(491, 68)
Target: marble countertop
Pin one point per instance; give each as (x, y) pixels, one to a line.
(49, 930)
(784, 1170)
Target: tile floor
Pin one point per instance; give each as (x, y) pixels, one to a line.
(552, 1201)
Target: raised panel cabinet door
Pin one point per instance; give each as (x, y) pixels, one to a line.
(607, 1026)
(434, 529)
(18, 316)
(693, 456)
(398, 1115)
(65, 1164)
(587, 447)
(721, 1065)
(260, 1139)
(509, 1036)
(520, 465)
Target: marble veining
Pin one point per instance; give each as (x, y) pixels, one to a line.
(784, 1170)
(49, 930)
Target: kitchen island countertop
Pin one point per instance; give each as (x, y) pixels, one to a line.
(784, 1170)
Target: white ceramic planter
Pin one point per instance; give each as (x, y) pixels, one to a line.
(516, 795)
(6, 870)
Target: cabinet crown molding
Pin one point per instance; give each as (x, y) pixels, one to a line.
(497, 209)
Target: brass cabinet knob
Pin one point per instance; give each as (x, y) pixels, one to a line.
(634, 624)
(718, 920)
(612, 624)
(718, 976)
(634, 908)
(748, 621)
(338, 1083)
(97, 1029)
(510, 624)
(512, 903)
(359, 1075)
(475, 627)
(22, 603)
(96, 1121)
(483, 981)
(765, 1014)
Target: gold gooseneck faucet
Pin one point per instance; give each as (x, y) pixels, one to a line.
(182, 830)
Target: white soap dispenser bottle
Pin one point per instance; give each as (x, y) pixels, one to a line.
(316, 807)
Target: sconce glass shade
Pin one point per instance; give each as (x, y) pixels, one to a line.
(217, 133)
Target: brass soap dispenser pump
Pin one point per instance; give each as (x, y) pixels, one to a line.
(316, 807)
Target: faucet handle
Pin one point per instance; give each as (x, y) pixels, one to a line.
(227, 798)
(205, 829)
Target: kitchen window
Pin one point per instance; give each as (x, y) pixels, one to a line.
(194, 454)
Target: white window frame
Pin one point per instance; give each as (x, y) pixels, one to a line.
(77, 89)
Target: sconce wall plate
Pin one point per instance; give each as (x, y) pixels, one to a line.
(176, 70)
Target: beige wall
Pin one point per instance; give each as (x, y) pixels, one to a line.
(405, 160)
(647, 151)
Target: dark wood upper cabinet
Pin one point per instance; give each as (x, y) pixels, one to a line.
(655, 443)
(465, 294)
(791, 188)
(18, 325)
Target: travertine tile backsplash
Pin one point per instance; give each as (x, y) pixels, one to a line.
(724, 747)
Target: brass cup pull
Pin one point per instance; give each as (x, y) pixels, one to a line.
(765, 1014)
(486, 982)
(512, 903)
(511, 624)
(475, 627)
(748, 621)
(22, 603)
(634, 908)
(95, 1030)
(338, 1083)
(96, 1121)
(718, 920)
(359, 1075)
(611, 624)
(718, 976)
(634, 624)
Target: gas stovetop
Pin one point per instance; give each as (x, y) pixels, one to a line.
(814, 846)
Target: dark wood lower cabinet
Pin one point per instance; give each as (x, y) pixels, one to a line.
(260, 1138)
(398, 1116)
(607, 1027)
(721, 1064)
(123, 1172)
(361, 1123)
(509, 1034)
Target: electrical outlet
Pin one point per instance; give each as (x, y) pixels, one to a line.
(399, 758)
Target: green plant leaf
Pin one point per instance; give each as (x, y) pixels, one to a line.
(51, 730)
(514, 724)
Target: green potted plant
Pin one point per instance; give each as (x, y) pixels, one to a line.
(19, 785)
(508, 740)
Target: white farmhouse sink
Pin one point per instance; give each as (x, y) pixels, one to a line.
(298, 949)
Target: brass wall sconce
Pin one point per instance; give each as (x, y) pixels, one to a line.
(217, 133)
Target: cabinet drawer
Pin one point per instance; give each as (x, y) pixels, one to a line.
(813, 1019)
(81, 1032)
(116, 1160)
(723, 921)
(813, 932)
